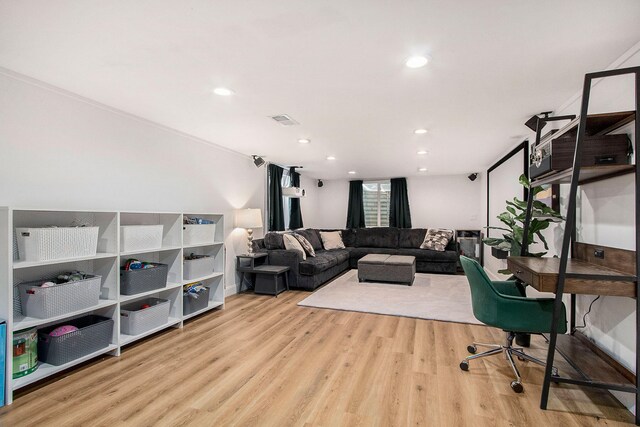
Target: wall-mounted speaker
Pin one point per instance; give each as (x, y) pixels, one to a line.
(258, 161)
(320, 183)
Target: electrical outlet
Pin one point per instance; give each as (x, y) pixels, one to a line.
(599, 253)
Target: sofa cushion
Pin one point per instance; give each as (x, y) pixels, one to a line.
(426, 255)
(291, 243)
(273, 240)
(411, 237)
(331, 240)
(349, 237)
(437, 239)
(312, 236)
(305, 244)
(379, 237)
(323, 260)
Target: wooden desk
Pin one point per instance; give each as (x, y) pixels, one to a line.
(542, 274)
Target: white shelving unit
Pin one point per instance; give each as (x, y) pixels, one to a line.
(106, 263)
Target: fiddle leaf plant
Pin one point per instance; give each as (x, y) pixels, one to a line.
(513, 219)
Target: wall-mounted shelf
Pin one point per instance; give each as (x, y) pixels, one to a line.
(106, 263)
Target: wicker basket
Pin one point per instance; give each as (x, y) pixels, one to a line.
(60, 299)
(147, 279)
(191, 305)
(134, 320)
(43, 244)
(140, 237)
(202, 266)
(198, 234)
(94, 333)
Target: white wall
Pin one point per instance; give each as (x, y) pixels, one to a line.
(503, 186)
(450, 201)
(60, 151)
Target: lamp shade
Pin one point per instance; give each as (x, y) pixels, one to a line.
(248, 218)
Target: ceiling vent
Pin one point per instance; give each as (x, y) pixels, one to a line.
(284, 120)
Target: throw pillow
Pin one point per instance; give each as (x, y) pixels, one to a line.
(436, 239)
(292, 244)
(332, 240)
(305, 244)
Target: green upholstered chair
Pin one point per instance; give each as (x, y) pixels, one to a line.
(504, 305)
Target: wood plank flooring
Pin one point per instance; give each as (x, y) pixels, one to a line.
(265, 361)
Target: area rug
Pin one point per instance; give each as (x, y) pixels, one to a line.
(432, 296)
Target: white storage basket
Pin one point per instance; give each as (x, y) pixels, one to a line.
(198, 234)
(60, 299)
(199, 267)
(140, 237)
(48, 243)
(134, 320)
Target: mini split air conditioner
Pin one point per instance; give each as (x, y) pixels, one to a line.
(294, 192)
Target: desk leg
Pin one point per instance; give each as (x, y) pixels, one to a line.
(572, 321)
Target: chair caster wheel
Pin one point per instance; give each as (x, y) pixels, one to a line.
(464, 365)
(522, 359)
(472, 349)
(517, 386)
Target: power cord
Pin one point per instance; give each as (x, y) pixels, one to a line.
(584, 318)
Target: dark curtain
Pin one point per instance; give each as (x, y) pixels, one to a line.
(355, 213)
(295, 215)
(276, 207)
(399, 213)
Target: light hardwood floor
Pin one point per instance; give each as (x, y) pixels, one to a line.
(265, 361)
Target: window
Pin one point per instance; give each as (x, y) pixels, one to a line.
(376, 203)
(286, 201)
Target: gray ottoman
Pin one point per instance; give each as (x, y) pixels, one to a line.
(387, 268)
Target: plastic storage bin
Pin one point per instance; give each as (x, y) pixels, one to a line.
(198, 234)
(25, 352)
(202, 266)
(136, 281)
(140, 237)
(43, 244)
(64, 298)
(135, 320)
(94, 333)
(191, 305)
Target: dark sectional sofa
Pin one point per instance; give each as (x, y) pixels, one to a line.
(314, 271)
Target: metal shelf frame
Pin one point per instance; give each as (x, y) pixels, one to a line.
(570, 236)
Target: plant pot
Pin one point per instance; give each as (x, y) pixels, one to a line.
(499, 253)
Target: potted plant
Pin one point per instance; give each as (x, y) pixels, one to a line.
(513, 219)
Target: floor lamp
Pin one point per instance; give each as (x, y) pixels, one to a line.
(249, 219)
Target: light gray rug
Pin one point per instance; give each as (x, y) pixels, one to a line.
(432, 296)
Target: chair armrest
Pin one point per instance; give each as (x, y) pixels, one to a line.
(533, 315)
(509, 287)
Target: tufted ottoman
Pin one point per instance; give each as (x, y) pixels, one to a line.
(387, 268)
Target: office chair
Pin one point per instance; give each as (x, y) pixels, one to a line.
(504, 305)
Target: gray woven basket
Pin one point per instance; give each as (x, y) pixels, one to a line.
(191, 305)
(134, 320)
(42, 303)
(94, 333)
(137, 281)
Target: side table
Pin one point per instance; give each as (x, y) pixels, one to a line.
(246, 263)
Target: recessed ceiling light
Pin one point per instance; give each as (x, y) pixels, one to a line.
(331, 158)
(223, 91)
(420, 131)
(421, 152)
(304, 141)
(422, 169)
(417, 61)
(352, 172)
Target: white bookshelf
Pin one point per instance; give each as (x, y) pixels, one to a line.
(106, 263)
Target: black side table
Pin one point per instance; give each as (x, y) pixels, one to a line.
(271, 279)
(246, 263)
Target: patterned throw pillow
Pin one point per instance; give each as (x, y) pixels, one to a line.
(436, 239)
(292, 244)
(305, 244)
